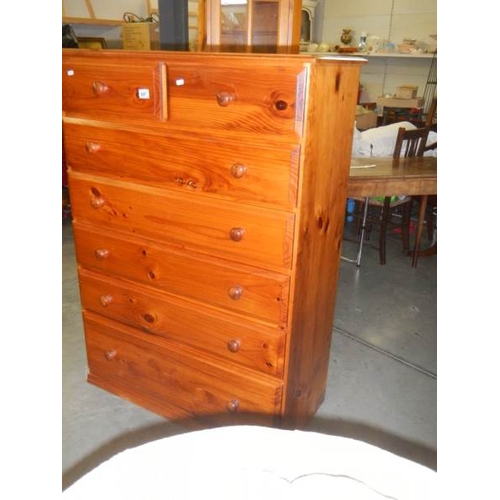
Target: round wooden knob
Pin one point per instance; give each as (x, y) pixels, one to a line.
(233, 405)
(238, 170)
(101, 253)
(110, 354)
(106, 300)
(99, 88)
(236, 233)
(92, 147)
(96, 202)
(224, 98)
(234, 345)
(235, 292)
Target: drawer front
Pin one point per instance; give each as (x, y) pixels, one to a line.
(180, 377)
(187, 93)
(128, 93)
(205, 165)
(258, 100)
(238, 232)
(252, 345)
(243, 289)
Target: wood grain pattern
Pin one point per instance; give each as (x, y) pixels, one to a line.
(208, 224)
(195, 165)
(257, 345)
(158, 370)
(184, 221)
(411, 176)
(264, 293)
(325, 172)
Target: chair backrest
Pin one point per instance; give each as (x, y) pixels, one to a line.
(411, 142)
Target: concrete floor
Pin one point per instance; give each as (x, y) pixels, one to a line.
(382, 378)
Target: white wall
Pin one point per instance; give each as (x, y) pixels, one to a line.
(390, 20)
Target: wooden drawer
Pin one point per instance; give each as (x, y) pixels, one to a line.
(146, 369)
(258, 174)
(188, 94)
(267, 101)
(243, 289)
(243, 342)
(115, 92)
(253, 235)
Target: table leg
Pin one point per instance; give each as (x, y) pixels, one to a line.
(420, 225)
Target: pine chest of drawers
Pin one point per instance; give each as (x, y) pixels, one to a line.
(208, 195)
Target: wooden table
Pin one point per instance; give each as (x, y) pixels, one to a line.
(385, 176)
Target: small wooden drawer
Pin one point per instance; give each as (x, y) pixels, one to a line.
(258, 173)
(254, 235)
(150, 371)
(115, 92)
(246, 343)
(243, 289)
(269, 101)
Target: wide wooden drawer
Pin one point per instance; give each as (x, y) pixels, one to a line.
(243, 342)
(243, 289)
(239, 232)
(150, 369)
(258, 174)
(106, 91)
(187, 93)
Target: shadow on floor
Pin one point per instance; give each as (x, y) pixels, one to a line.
(335, 427)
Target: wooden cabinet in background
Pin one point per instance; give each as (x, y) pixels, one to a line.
(208, 213)
(251, 25)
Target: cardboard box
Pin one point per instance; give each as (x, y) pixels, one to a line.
(141, 36)
(407, 92)
(366, 120)
(394, 102)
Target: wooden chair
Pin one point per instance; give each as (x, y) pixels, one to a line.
(380, 211)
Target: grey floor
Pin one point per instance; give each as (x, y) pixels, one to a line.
(382, 378)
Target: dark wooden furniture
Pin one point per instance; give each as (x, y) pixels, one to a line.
(208, 213)
(376, 211)
(413, 176)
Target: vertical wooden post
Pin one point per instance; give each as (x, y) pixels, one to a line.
(90, 8)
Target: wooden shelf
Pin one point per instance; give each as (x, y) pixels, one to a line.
(424, 55)
(88, 20)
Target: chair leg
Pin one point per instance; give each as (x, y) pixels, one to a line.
(405, 227)
(362, 235)
(421, 217)
(383, 229)
(432, 202)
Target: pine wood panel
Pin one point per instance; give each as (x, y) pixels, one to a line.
(183, 93)
(319, 238)
(230, 337)
(185, 221)
(262, 294)
(159, 370)
(266, 174)
(112, 91)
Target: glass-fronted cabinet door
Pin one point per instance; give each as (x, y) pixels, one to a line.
(253, 25)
